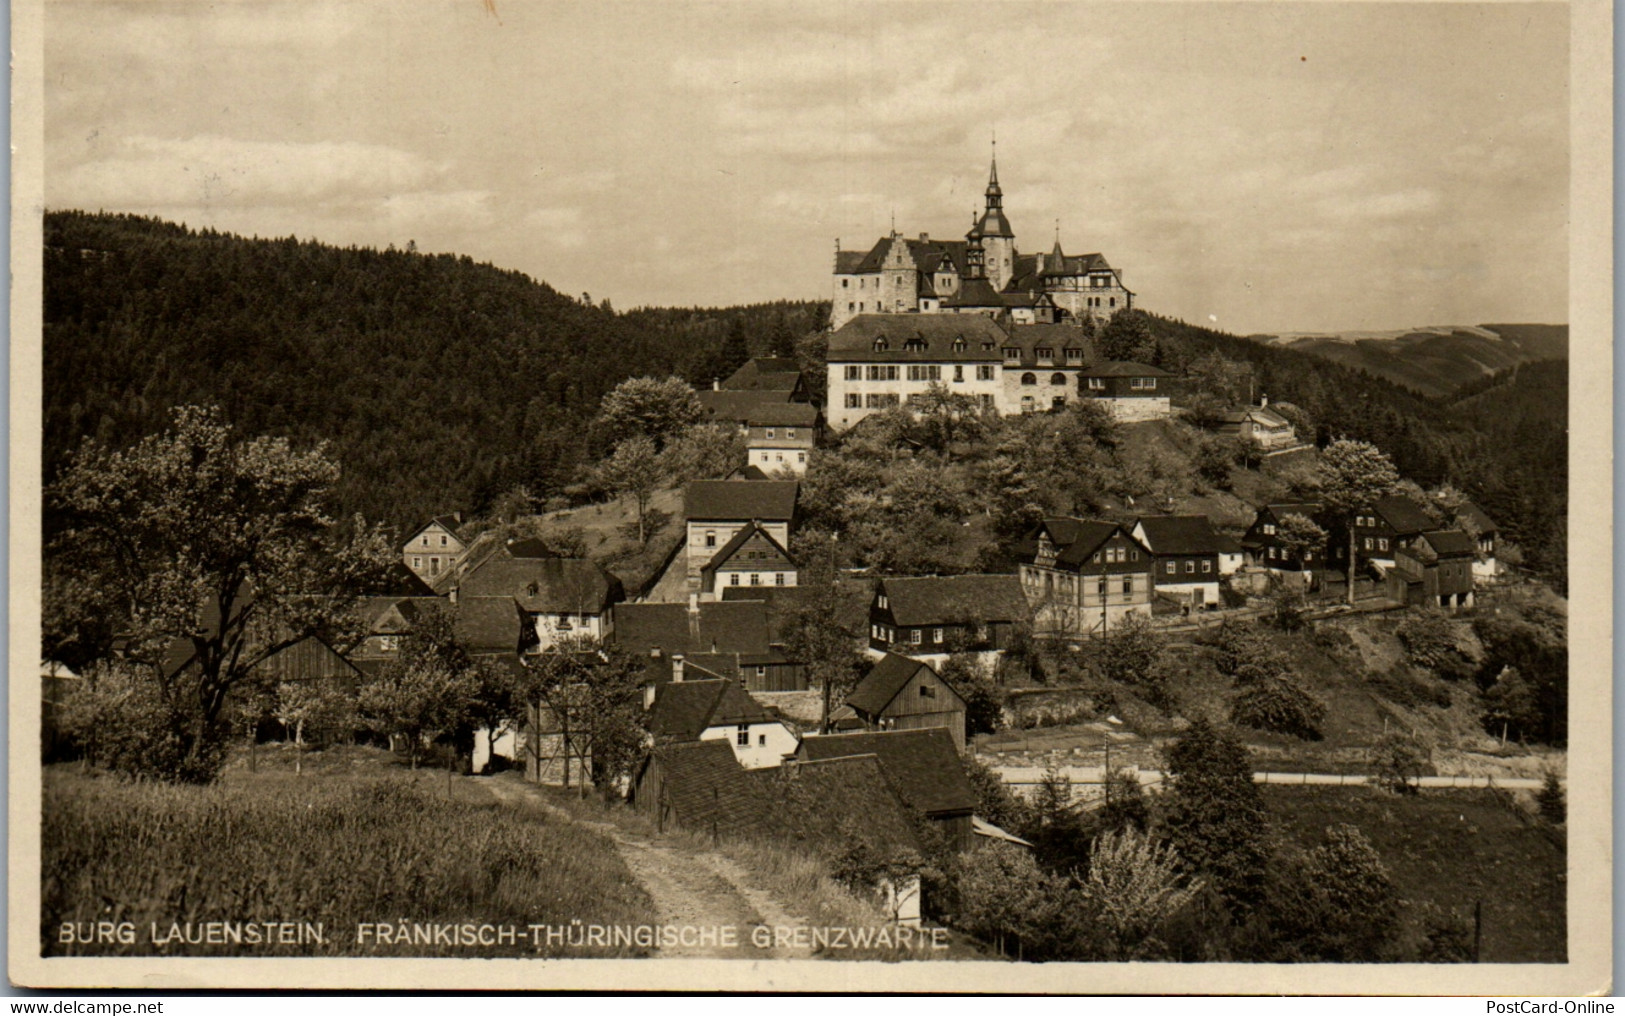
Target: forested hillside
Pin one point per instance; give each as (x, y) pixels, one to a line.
(439, 382)
(1506, 447)
(1436, 362)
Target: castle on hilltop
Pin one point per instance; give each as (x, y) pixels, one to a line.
(981, 274)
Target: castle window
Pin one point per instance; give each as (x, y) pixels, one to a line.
(1097, 383)
(1027, 404)
(854, 400)
(854, 373)
(850, 306)
(770, 433)
(1045, 353)
(710, 537)
(959, 372)
(1029, 379)
(789, 433)
(987, 347)
(1074, 356)
(880, 345)
(959, 345)
(1057, 379)
(914, 345)
(845, 283)
(1112, 302)
(1058, 403)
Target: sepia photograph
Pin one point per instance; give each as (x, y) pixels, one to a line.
(876, 496)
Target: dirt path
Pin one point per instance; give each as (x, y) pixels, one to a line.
(690, 888)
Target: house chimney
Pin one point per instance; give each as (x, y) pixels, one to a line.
(1263, 400)
(716, 384)
(649, 696)
(694, 618)
(925, 237)
(677, 667)
(458, 516)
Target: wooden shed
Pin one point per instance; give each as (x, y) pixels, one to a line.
(902, 693)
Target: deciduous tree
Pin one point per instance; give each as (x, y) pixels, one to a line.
(1353, 475)
(211, 554)
(649, 407)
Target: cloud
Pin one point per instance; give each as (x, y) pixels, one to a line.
(1391, 205)
(145, 170)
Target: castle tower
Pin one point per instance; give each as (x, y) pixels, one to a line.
(998, 239)
(975, 266)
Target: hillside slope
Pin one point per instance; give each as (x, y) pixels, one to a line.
(1434, 362)
(440, 383)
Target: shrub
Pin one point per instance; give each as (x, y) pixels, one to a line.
(1434, 642)
(1398, 759)
(1403, 688)
(1136, 885)
(119, 721)
(1281, 705)
(1550, 798)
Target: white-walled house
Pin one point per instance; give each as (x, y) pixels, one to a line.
(720, 710)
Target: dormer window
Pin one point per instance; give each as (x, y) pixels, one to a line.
(1074, 356)
(987, 347)
(880, 345)
(532, 589)
(1012, 354)
(959, 345)
(1045, 353)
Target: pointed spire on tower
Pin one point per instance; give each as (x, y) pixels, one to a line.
(993, 189)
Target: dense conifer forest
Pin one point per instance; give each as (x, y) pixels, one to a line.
(441, 383)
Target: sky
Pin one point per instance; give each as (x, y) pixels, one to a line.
(1257, 167)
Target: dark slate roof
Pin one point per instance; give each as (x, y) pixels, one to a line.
(1075, 539)
(783, 601)
(975, 293)
(399, 580)
(720, 627)
(1403, 516)
(1027, 275)
(489, 623)
(1124, 368)
(933, 334)
(1182, 534)
(847, 262)
(562, 584)
(747, 472)
(881, 685)
(737, 406)
(921, 765)
(947, 598)
(783, 414)
(826, 805)
(928, 255)
(1451, 543)
(1477, 516)
(706, 788)
(764, 373)
(685, 709)
(733, 500)
(450, 523)
(745, 534)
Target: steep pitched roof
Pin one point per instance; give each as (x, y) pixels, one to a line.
(545, 585)
(1477, 516)
(778, 556)
(706, 788)
(889, 676)
(847, 262)
(1403, 515)
(399, 580)
(1075, 539)
(782, 414)
(450, 523)
(764, 373)
(918, 337)
(685, 709)
(489, 623)
(734, 500)
(1182, 534)
(975, 293)
(921, 765)
(826, 805)
(947, 598)
(1124, 368)
(736, 407)
(715, 627)
(1450, 543)
(927, 254)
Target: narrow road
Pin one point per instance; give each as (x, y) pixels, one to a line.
(690, 888)
(1032, 776)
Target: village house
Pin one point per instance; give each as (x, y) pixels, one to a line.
(1435, 570)
(557, 598)
(1082, 577)
(1475, 522)
(780, 437)
(1132, 391)
(945, 613)
(1260, 425)
(903, 693)
(716, 709)
(983, 275)
(1190, 557)
(757, 385)
(751, 557)
(732, 639)
(716, 510)
(1379, 531)
(434, 547)
(1263, 545)
(923, 767)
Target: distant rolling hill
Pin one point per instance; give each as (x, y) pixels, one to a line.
(1435, 361)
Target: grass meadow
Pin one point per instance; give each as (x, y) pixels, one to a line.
(348, 839)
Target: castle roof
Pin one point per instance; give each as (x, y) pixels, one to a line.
(975, 293)
(734, 500)
(917, 337)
